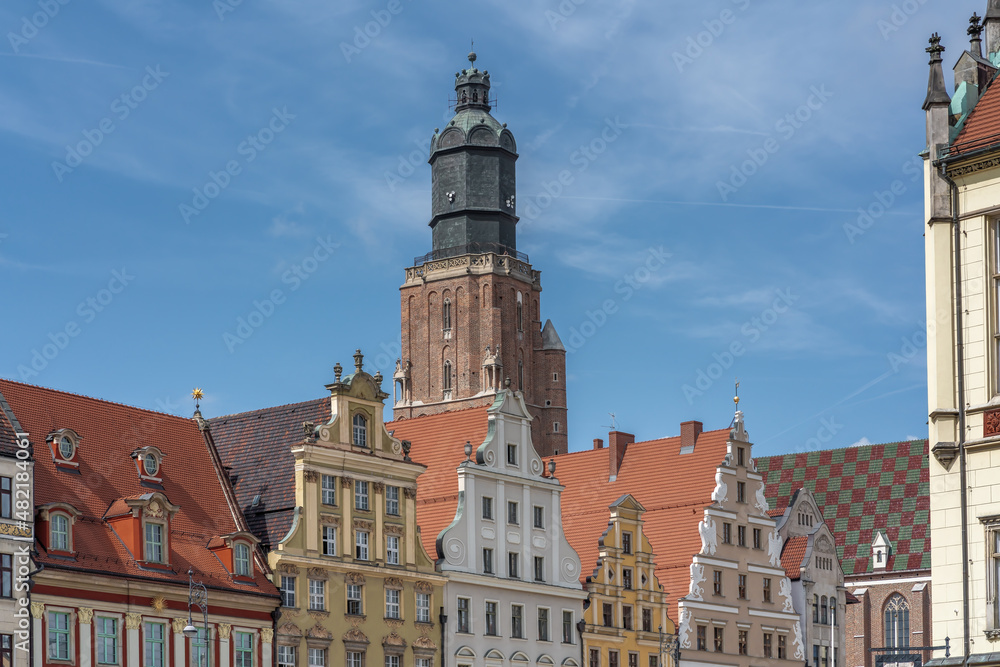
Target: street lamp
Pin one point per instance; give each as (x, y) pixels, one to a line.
(671, 643)
(197, 597)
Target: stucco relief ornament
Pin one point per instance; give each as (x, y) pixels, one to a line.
(800, 652)
(709, 536)
(696, 592)
(774, 548)
(721, 492)
(760, 501)
(785, 591)
(684, 631)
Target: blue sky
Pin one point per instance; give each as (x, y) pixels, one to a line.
(170, 167)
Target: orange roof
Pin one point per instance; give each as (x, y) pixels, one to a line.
(982, 127)
(109, 433)
(792, 555)
(439, 443)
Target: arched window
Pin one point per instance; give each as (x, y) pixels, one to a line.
(520, 313)
(360, 431)
(815, 609)
(833, 611)
(446, 315)
(520, 375)
(822, 610)
(59, 533)
(446, 380)
(241, 560)
(897, 622)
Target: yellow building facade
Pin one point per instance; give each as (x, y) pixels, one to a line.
(625, 621)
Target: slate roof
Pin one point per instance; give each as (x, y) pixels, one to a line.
(861, 490)
(257, 446)
(982, 127)
(109, 433)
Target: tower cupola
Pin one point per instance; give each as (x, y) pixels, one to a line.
(472, 87)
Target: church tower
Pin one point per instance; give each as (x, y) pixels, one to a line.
(470, 308)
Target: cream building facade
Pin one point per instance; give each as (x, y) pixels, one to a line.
(16, 537)
(962, 207)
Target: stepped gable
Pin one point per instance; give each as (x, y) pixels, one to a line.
(257, 447)
(861, 490)
(438, 442)
(109, 434)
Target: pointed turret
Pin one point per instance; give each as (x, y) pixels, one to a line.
(937, 94)
(991, 25)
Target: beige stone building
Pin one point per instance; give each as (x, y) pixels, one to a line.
(16, 537)
(962, 205)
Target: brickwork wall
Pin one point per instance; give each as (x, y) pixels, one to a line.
(866, 620)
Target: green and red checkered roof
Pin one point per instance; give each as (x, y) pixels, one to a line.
(862, 490)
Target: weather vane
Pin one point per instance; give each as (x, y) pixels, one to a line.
(197, 395)
(736, 398)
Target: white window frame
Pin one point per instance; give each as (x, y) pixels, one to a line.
(328, 535)
(328, 490)
(317, 595)
(361, 545)
(544, 613)
(355, 594)
(392, 605)
(392, 549)
(361, 495)
(487, 508)
(242, 560)
(568, 638)
(317, 657)
(288, 594)
(463, 616)
(423, 603)
(392, 500)
(359, 430)
(286, 656)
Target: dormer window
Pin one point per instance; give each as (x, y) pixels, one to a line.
(59, 533)
(149, 464)
(65, 445)
(236, 553)
(241, 560)
(58, 520)
(153, 548)
(360, 425)
(143, 524)
(66, 448)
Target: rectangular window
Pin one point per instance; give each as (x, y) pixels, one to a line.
(154, 543)
(463, 615)
(355, 659)
(767, 644)
(6, 575)
(743, 642)
(317, 657)
(488, 561)
(392, 661)
(627, 542)
(361, 545)
(718, 640)
(487, 508)
(6, 500)
(392, 603)
(647, 620)
(153, 646)
(627, 616)
(742, 586)
(392, 500)
(756, 538)
(7, 650)
(782, 647)
(360, 495)
(512, 512)
(421, 662)
(654, 660)
(354, 606)
(717, 582)
(741, 535)
(511, 454)
(613, 658)
(567, 627)
(767, 589)
(107, 640)
(627, 578)
(491, 618)
(58, 635)
(423, 607)
(740, 456)
(727, 533)
(633, 659)
(328, 490)
(517, 621)
(242, 649)
(317, 595)
(286, 656)
(608, 615)
(513, 558)
(741, 492)
(392, 549)
(702, 638)
(816, 655)
(539, 568)
(543, 624)
(595, 657)
(993, 574)
(538, 514)
(200, 655)
(329, 541)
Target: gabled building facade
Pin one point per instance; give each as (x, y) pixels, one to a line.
(127, 503)
(513, 594)
(739, 607)
(357, 586)
(17, 518)
(809, 558)
(626, 621)
(962, 244)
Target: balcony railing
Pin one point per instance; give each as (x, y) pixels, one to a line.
(471, 249)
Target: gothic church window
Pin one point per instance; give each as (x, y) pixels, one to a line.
(897, 622)
(446, 315)
(446, 380)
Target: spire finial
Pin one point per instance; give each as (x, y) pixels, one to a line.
(197, 394)
(935, 49)
(472, 52)
(358, 360)
(975, 26)
(736, 398)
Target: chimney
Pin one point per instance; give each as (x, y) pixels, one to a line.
(618, 441)
(689, 435)
(598, 443)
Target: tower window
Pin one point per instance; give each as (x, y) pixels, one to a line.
(555, 427)
(360, 431)
(520, 313)
(446, 315)
(520, 375)
(446, 380)
(555, 377)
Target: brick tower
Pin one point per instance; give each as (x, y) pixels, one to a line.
(470, 308)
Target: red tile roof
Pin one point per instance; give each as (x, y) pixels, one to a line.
(982, 127)
(861, 490)
(109, 433)
(257, 446)
(793, 552)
